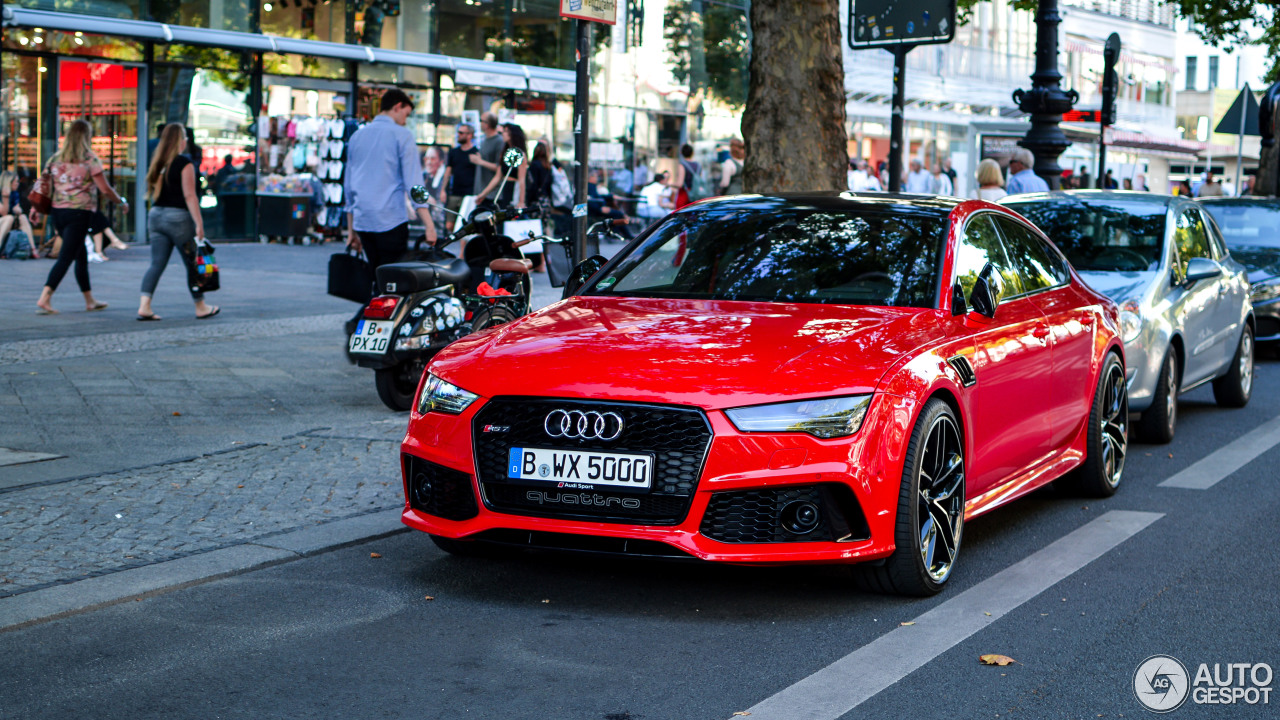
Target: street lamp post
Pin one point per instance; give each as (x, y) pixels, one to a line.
(1046, 101)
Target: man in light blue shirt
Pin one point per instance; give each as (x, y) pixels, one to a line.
(1021, 178)
(382, 165)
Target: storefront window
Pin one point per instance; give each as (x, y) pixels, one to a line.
(217, 14)
(105, 94)
(20, 127)
(529, 32)
(306, 65)
(72, 43)
(319, 21)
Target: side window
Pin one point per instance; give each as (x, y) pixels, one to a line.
(1220, 251)
(1038, 266)
(979, 245)
(1191, 238)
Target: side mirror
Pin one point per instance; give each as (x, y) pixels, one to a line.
(987, 291)
(581, 274)
(958, 305)
(419, 194)
(1202, 268)
(513, 157)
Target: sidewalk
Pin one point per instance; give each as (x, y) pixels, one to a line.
(173, 440)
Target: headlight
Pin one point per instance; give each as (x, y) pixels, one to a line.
(822, 417)
(440, 396)
(1264, 290)
(1130, 322)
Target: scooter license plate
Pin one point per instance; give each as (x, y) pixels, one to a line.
(371, 337)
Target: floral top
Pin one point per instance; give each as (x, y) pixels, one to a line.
(73, 186)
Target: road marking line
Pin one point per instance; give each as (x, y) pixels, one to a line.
(848, 682)
(1207, 471)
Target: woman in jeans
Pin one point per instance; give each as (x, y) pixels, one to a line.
(174, 220)
(77, 178)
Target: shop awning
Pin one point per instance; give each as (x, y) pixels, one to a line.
(467, 71)
(1140, 143)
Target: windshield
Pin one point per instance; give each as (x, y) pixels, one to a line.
(1109, 236)
(1247, 225)
(786, 254)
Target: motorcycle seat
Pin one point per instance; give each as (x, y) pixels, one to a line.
(410, 277)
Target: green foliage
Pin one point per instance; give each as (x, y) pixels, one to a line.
(718, 66)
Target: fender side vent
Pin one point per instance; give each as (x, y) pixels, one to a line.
(961, 364)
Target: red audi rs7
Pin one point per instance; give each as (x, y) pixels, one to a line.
(819, 378)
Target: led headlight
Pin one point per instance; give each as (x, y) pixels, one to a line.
(821, 417)
(1130, 322)
(440, 396)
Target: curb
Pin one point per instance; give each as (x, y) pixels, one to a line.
(96, 592)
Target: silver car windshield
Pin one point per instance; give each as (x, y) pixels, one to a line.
(1102, 236)
(1247, 225)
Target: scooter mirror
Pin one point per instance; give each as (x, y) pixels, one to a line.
(420, 194)
(512, 157)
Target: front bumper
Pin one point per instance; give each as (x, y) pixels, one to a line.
(744, 481)
(1266, 315)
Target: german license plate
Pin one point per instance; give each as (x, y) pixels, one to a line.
(574, 467)
(372, 336)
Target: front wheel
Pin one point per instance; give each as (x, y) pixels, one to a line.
(397, 385)
(930, 509)
(1233, 389)
(1158, 422)
(1108, 435)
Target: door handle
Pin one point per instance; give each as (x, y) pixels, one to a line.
(1041, 332)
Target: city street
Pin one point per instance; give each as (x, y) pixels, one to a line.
(201, 519)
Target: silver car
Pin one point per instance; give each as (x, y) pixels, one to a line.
(1185, 315)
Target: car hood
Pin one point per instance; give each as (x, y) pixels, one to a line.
(1262, 262)
(1120, 286)
(712, 354)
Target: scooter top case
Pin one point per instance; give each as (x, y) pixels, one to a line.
(407, 278)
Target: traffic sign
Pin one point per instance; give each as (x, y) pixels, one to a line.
(1230, 123)
(885, 23)
(601, 11)
(1088, 116)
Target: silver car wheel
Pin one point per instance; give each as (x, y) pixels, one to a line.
(1246, 363)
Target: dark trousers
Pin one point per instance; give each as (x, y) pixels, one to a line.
(381, 248)
(72, 226)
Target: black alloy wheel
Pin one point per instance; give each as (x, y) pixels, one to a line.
(1108, 435)
(930, 522)
(1233, 389)
(1160, 420)
(397, 385)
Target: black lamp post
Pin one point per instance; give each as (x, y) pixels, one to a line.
(1046, 101)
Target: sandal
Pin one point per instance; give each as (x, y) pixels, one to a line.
(210, 314)
(96, 306)
(148, 318)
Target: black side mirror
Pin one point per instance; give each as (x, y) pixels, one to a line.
(419, 194)
(581, 274)
(958, 305)
(987, 291)
(1202, 268)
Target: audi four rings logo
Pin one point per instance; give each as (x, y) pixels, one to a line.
(583, 425)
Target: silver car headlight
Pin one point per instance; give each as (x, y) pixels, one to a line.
(440, 396)
(1130, 322)
(821, 417)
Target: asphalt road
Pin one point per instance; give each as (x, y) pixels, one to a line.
(1155, 570)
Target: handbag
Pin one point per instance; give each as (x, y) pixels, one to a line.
(41, 195)
(202, 275)
(350, 277)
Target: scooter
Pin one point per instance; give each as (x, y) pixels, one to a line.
(424, 305)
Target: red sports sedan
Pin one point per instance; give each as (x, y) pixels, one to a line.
(823, 378)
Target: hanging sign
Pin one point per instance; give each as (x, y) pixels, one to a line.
(601, 11)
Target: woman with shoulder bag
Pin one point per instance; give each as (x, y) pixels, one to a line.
(76, 177)
(174, 220)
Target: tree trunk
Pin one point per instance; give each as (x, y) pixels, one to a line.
(793, 124)
(1268, 182)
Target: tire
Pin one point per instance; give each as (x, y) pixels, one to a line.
(1108, 436)
(1160, 420)
(1233, 389)
(491, 316)
(397, 385)
(463, 548)
(936, 450)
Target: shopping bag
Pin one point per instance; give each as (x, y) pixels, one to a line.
(41, 195)
(350, 277)
(203, 274)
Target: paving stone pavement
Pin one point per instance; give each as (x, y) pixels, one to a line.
(63, 532)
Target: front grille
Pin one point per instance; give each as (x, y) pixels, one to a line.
(438, 490)
(677, 437)
(756, 516)
(1268, 326)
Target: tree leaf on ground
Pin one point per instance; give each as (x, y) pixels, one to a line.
(375, 555)
(996, 660)
(913, 622)
(742, 712)
(429, 597)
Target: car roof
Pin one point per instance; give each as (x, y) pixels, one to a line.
(1086, 195)
(833, 200)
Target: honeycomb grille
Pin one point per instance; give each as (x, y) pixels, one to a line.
(440, 491)
(677, 437)
(755, 516)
